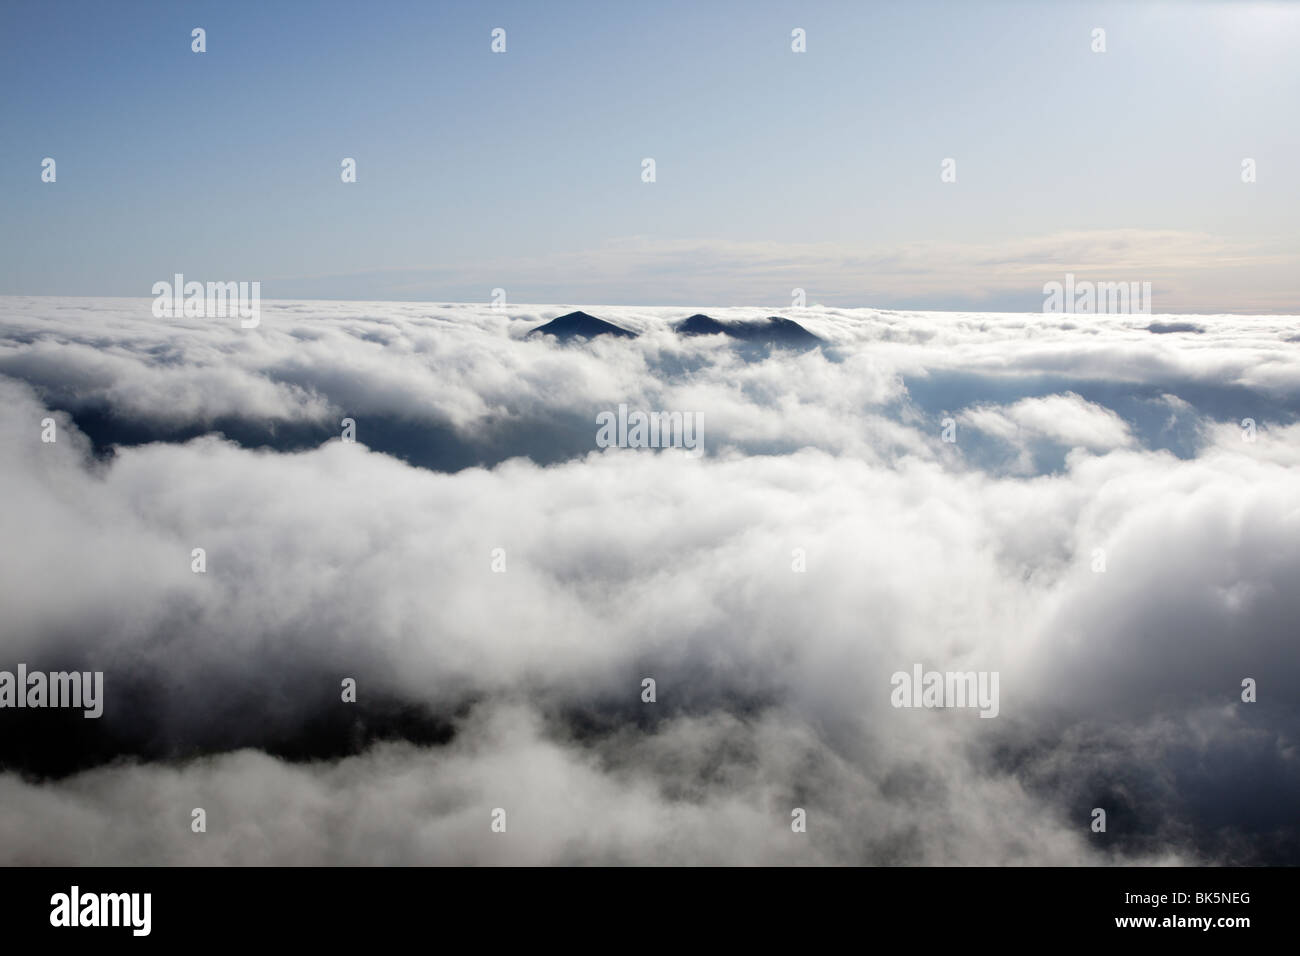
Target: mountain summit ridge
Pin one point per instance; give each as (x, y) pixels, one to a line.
(580, 325)
(774, 330)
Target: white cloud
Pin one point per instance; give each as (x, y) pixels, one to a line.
(773, 686)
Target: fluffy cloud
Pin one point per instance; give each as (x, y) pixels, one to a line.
(521, 690)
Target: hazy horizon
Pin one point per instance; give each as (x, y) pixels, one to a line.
(776, 308)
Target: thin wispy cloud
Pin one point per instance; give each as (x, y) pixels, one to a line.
(1190, 272)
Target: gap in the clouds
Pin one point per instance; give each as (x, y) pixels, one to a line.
(423, 444)
(144, 721)
(106, 428)
(562, 437)
(1157, 425)
(1227, 798)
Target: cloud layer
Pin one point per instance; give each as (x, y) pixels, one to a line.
(1079, 439)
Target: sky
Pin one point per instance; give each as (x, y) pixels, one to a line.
(774, 170)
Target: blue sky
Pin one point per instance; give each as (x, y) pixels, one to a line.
(774, 169)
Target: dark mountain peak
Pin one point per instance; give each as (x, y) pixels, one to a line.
(773, 330)
(779, 331)
(580, 325)
(1164, 328)
(700, 324)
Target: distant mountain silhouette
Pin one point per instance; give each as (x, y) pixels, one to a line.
(1164, 328)
(773, 330)
(701, 325)
(579, 325)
